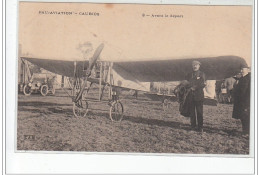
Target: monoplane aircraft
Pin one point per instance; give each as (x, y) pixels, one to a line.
(137, 72)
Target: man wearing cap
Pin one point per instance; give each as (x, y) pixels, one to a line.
(196, 82)
(241, 109)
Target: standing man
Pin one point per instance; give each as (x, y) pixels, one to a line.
(241, 108)
(196, 82)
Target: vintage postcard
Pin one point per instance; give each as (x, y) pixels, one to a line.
(134, 78)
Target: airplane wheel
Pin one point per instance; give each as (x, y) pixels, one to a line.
(27, 90)
(44, 90)
(116, 111)
(80, 109)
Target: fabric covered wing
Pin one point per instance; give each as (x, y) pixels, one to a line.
(215, 68)
(61, 67)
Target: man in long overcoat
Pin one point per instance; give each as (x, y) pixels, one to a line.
(241, 109)
(197, 82)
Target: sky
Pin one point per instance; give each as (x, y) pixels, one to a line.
(133, 32)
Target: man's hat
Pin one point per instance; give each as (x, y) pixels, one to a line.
(195, 63)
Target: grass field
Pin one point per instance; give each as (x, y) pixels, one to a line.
(145, 128)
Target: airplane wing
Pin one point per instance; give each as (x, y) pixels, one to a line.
(215, 68)
(61, 67)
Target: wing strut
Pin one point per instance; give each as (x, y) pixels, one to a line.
(106, 72)
(100, 80)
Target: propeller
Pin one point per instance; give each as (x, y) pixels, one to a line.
(92, 62)
(93, 59)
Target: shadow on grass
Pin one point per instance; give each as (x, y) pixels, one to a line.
(224, 132)
(180, 125)
(100, 113)
(152, 122)
(157, 122)
(46, 112)
(41, 104)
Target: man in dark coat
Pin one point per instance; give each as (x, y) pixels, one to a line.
(241, 108)
(197, 82)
